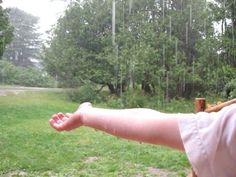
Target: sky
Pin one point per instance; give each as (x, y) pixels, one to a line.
(48, 11)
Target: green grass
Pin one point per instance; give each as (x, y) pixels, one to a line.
(29, 145)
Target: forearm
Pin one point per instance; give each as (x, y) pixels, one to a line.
(143, 125)
(126, 123)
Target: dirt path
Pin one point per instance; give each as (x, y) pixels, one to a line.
(10, 90)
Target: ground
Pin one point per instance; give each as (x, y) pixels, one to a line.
(90, 161)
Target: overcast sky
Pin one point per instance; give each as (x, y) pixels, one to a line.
(47, 10)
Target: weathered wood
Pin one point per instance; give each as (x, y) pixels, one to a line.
(200, 104)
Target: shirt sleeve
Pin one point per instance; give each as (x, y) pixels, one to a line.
(210, 142)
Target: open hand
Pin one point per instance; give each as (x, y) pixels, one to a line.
(69, 121)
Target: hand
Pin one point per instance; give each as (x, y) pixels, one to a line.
(68, 121)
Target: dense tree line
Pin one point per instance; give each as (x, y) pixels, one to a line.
(166, 47)
(6, 30)
(19, 49)
(26, 44)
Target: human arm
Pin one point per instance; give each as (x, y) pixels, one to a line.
(139, 124)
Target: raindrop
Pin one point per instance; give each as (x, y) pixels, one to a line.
(193, 73)
(205, 27)
(233, 38)
(163, 55)
(163, 11)
(186, 35)
(113, 22)
(190, 15)
(176, 51)
(130, 6)
(167, 86)
(184, 80)
(170, 26)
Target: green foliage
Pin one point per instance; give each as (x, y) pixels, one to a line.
(82, 94)
(224, 13)
(26, 42)
(13, 75)
(7, 71)
(137, 98)
(32, 77)
(230, 89)
(169, 48)
(6, 30)
(134, 99)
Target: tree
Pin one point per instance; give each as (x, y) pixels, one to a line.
(218, 49)
(76, 42)
(165, 47)
(225, 14)
(6, 30)
(26, 43)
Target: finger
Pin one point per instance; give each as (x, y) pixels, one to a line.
(54, 116)
(56, 121)
(57, 118)
(63, 117)
(51, 121)
(68, 124)
(54, 124)
(60, 115)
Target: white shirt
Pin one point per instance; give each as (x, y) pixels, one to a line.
(210, 142)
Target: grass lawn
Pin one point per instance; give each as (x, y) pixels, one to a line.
(29, 147)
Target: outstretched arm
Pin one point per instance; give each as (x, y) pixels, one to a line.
(139, 124)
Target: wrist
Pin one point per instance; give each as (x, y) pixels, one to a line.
(84, 110)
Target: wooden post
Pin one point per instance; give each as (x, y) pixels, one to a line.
(200, 104)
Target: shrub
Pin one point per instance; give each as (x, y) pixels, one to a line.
(32, 77)
(85, 93)
(7, 72)
(15, 75)
(230, 89)
(134, 99)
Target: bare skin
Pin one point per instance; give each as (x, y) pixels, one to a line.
(139, 124)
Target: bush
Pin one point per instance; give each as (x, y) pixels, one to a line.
(85, 93)
(15, 75)
(134, 99)
(115, 103)
(7, 72)
(230, 89)
(32, 77)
